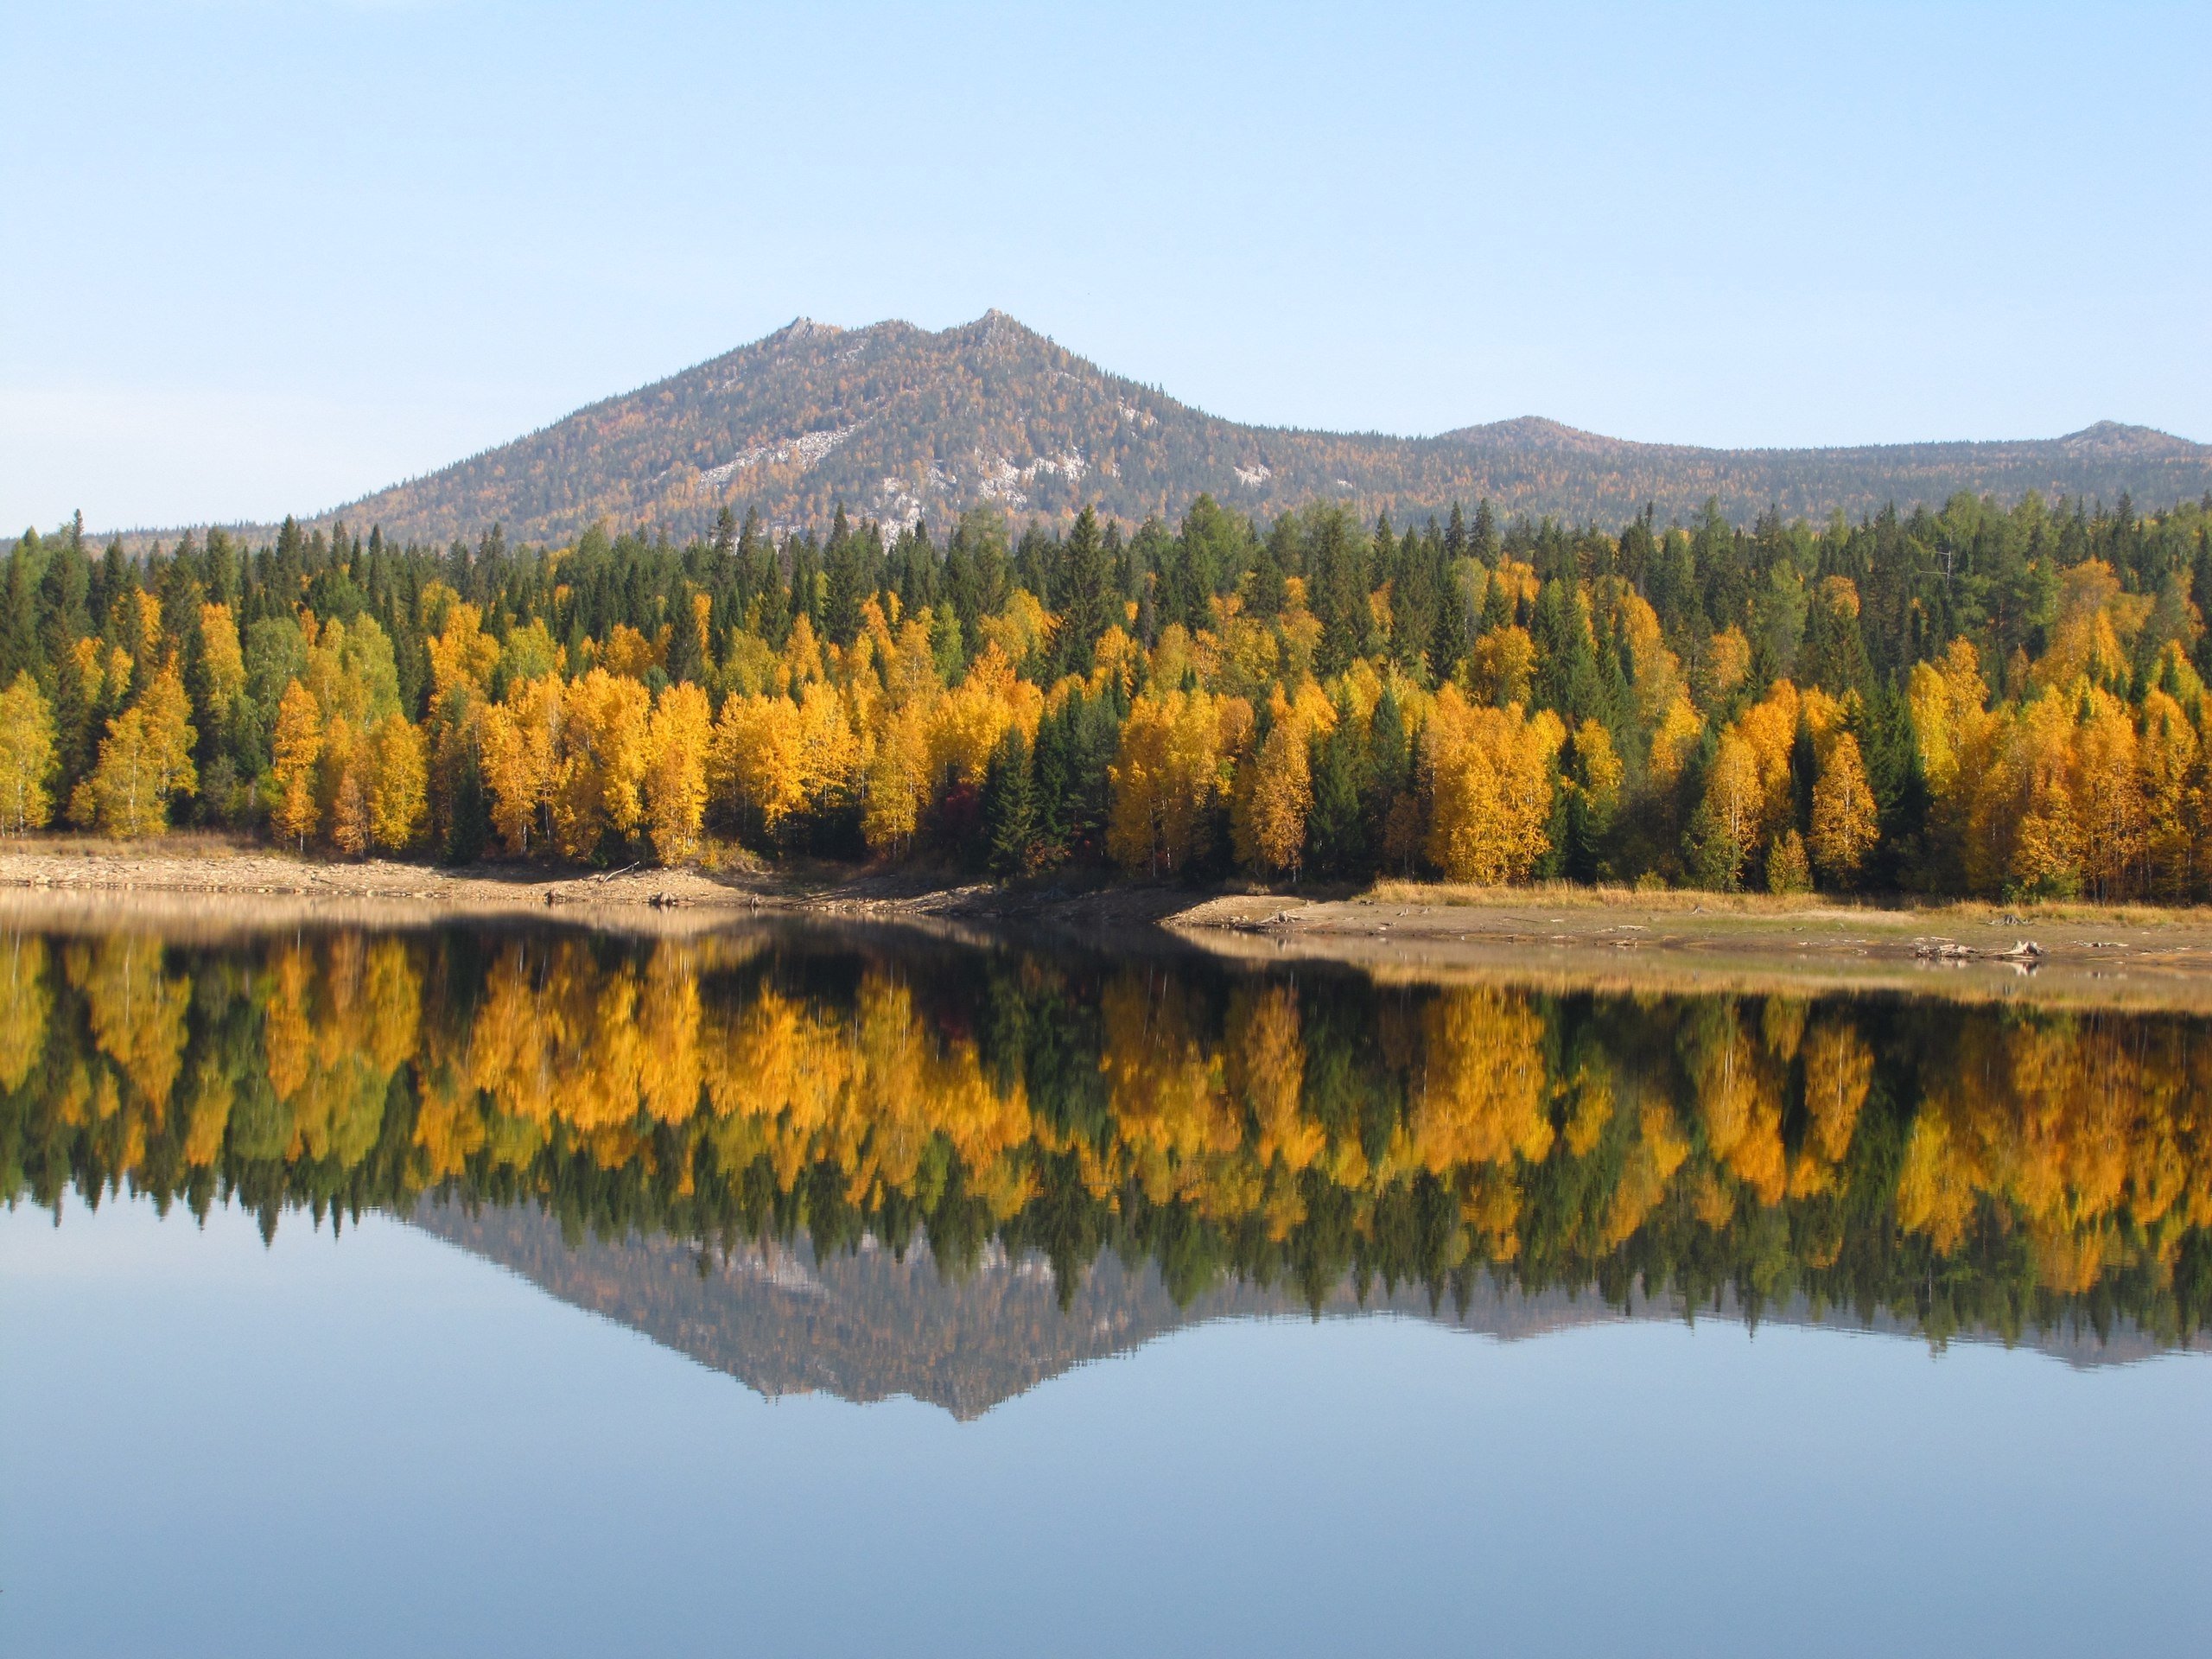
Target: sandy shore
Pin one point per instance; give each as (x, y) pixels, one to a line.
(2074, 953)
(2080, 954)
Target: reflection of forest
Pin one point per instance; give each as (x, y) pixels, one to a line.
(1951, 1169)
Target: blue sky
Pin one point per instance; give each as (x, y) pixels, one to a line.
(266, 255)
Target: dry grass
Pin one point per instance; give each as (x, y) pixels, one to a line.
(1567, 896)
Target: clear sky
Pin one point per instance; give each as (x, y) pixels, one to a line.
(266, 255)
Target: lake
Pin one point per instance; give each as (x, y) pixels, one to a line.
(815, 1290)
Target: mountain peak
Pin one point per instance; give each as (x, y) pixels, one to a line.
(800, 329)
(2118, 438)
(898, 423)
(1533, 431)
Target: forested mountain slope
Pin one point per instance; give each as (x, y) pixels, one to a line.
(897, 422)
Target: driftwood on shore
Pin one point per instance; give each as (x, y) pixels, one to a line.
(2022, 950)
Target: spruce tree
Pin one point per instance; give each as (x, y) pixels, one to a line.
(1485, 543)
(842, 583)
(1087, 580)
(1010, 808)
(1566, 670)
(1337, 825)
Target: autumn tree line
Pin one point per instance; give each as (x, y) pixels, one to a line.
(1984, 700)
(1953, 1165)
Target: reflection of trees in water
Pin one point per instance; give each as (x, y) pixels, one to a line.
(1955, 1167)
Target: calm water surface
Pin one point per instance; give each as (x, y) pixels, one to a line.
(491, 1291)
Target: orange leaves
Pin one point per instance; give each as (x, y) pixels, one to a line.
(26, 1000)
(1173, 769)
(2056, 803)
(559, 1039)
(897, 780)
(222, 659)
(1166, 1082)
(1492, 774)
(135, 1010)
(2169, 756)
(1275, 787)
(1486, 1087)
(26, 757)
(756, 761)
(1676, 736)
(968, 724)
(1726, 665)
(627, 653)
(1502, 665)
(1597, 765)
(520, 741)
(1735, 802)
(579, 754)
(1749, 792)
(461, 656)
(145, 760)
(2107, 790)
(599, 781)
(2097, 624)
(1845, 826)
(399, 783)
(676, 738)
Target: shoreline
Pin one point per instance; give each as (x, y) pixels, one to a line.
(2085, 955)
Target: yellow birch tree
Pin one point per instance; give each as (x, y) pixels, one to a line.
(26, 757)
(675, 772)
(294, 749)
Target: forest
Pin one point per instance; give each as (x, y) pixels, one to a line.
(1982, 700)
(1955, 1167)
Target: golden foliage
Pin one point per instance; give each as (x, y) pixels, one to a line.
(223, 660)
(599, 777)
(145, 758)
(1845, 824)
(295, 748)
(675, 772)
(520, 740)
(28, 761)
(1502, 665)
(399, 785)
(1492, 778)
(1172, 768)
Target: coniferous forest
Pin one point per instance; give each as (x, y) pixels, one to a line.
(1983, 700)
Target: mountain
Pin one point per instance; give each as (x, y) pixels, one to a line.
(897, 422)
(867, 1324)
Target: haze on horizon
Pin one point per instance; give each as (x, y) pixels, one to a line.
(275, 254)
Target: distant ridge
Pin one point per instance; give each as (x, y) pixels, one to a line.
(896, 422)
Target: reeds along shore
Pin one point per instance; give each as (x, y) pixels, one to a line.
(2001, 703)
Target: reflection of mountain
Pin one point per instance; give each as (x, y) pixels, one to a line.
(866, 1326)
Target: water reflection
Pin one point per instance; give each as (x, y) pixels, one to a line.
(784, 1101)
